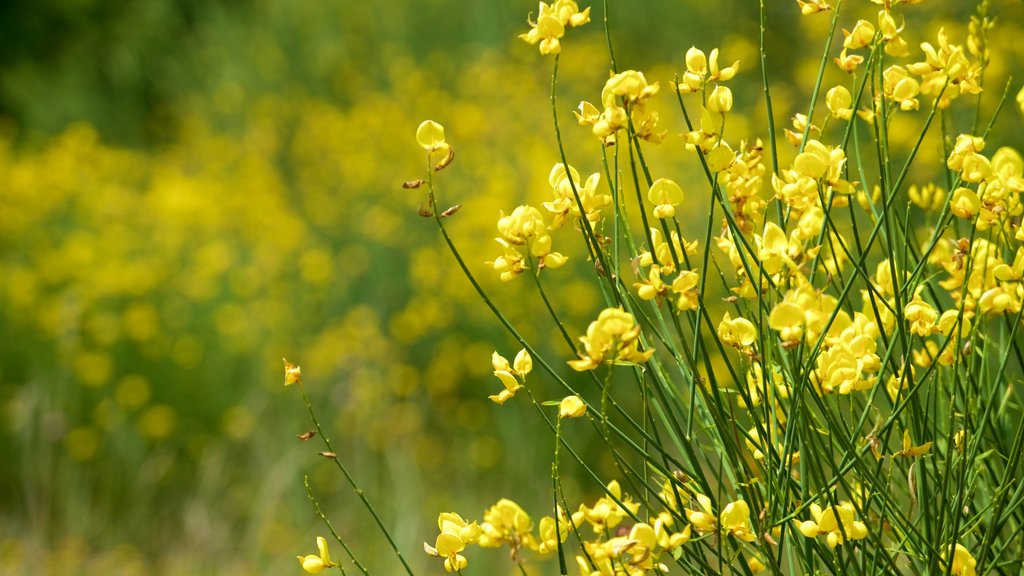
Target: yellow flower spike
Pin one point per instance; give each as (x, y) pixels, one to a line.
(839, 101)
(665, 194)
(315, 564)
(735, 519)
(430, 135)
(292, 373)
(571, 407)
(1020, 100)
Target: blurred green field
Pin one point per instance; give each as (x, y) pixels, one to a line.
(191, 190)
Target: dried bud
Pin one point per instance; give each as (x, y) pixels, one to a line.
(425, 211)
(452, 210)
(306, 435)
(330, 455)
(412, 184)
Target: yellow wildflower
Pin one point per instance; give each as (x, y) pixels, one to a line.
(510, 376)
(839, 101)
(571, 407)
(551, 22)
(809, 7)
(506, 523)
(292, 373)
(665, 194)
(703, 519)
(430, 135)
(963, 563)
(834, 522)
(314, 564)
(613, 337)
(700, 69)
(738, 333)
(860, 37)
(735, 519)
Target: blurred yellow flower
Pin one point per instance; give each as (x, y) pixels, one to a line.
(315, 564)
(292, 373)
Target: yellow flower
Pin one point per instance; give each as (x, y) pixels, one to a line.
(606, 513)
(685, 285)
(551, 22)
(963, 563)
(700, 68)
(292, 373)
(735, 519)
(430, 135)
(571, 407)
(315, 564)
(813, 6)
(506, 522)
(549, 537)
(921, 316)
(720, 100)
(834, 522)
(911, 451)
(455, 534)
(738, 333)
(861, 36)
(613, 337)
(839, 101)
(965, 203)
(703, 519)
(666, 195)
(510, 376)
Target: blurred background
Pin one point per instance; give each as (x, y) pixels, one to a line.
(190, 190)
